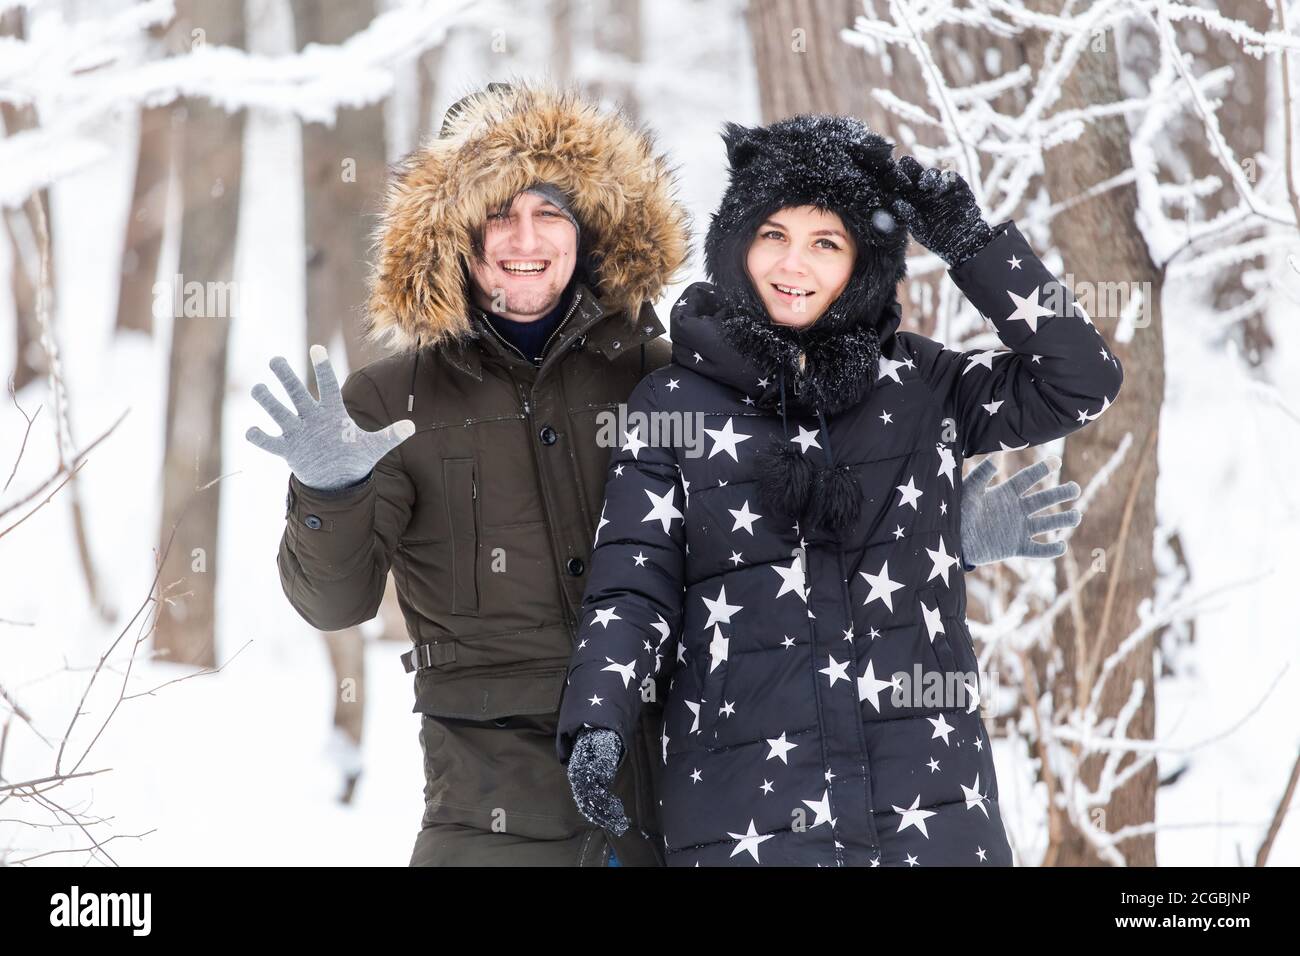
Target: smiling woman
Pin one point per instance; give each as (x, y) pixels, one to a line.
(799, 262)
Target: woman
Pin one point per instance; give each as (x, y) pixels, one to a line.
(822, 694)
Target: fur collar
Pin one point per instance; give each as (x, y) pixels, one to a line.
(750, 353)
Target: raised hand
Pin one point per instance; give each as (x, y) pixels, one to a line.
(592, 764)
(940, 211)
(324, 447)
(998, 523)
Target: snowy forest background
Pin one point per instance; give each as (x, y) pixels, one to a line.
(161, 702)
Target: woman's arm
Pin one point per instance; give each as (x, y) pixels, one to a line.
(632, 606)
(1056, 374)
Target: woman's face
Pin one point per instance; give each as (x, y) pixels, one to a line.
(799, 261)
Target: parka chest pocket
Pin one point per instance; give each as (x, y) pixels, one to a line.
(460, 488)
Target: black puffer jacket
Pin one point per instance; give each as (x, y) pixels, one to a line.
(782, 740)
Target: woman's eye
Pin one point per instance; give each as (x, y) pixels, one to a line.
(772, 234)
(828, 244)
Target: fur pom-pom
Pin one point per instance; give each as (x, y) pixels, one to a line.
(785, 478)
(836, 499)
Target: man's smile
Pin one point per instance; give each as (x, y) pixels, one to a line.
(524, 267)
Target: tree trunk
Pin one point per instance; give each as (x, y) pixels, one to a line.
(344, 169)
(211, 158)
(1119, 526)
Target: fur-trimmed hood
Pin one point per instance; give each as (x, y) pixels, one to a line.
(498, 143)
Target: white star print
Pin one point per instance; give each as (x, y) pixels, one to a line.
(744, 518)
(725, 439)
(1028, 309)
(941, 728)
(869, 687)
(942, 561)
(933, 621)
(662, 507)
(1013, 262)
(634, 442)
(694, 707)
(749, 841)
(673, 385)
(806, 439)
(886, 417)
(792, 579)
(992, 407)
(821, 810)
(717, 648)
(626, 671)
(838, 670)
(719, 609)
(604, 616)
(910, 494)
(882, 588)
(780, 747)
(912, 817)
(596, 701)
(973, 796)
(947, 463)
(888, 368)
(984, 358)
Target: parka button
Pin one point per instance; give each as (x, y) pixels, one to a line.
(547, 434)
(312, 522)
(575, 566)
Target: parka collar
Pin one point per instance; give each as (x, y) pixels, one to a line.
(593, 324)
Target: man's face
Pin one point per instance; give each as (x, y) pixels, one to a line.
(529, 254)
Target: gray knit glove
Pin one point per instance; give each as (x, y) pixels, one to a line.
(592, 764)
(997, 524)
(324, 447)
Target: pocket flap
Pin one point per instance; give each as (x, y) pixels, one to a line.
(489, 696)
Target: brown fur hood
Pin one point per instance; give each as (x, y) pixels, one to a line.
(500, 143)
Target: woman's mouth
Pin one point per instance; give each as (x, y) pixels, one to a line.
(524, 268)
(791, 293)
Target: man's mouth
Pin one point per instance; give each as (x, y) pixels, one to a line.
(791, 292)
(524, 267)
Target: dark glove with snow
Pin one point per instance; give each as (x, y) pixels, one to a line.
(324, 447)
(940, 211)
(998, 523)
(592, 764)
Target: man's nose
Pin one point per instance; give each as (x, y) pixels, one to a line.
(525, 235)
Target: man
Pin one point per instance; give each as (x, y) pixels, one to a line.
(533, 212)
(518, 255)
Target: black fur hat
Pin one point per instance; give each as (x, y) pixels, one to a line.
(834, 163)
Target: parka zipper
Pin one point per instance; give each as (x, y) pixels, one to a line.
(537, 361)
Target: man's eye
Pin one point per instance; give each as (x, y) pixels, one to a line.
(549, 212)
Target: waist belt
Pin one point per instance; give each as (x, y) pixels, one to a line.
(428, 655)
